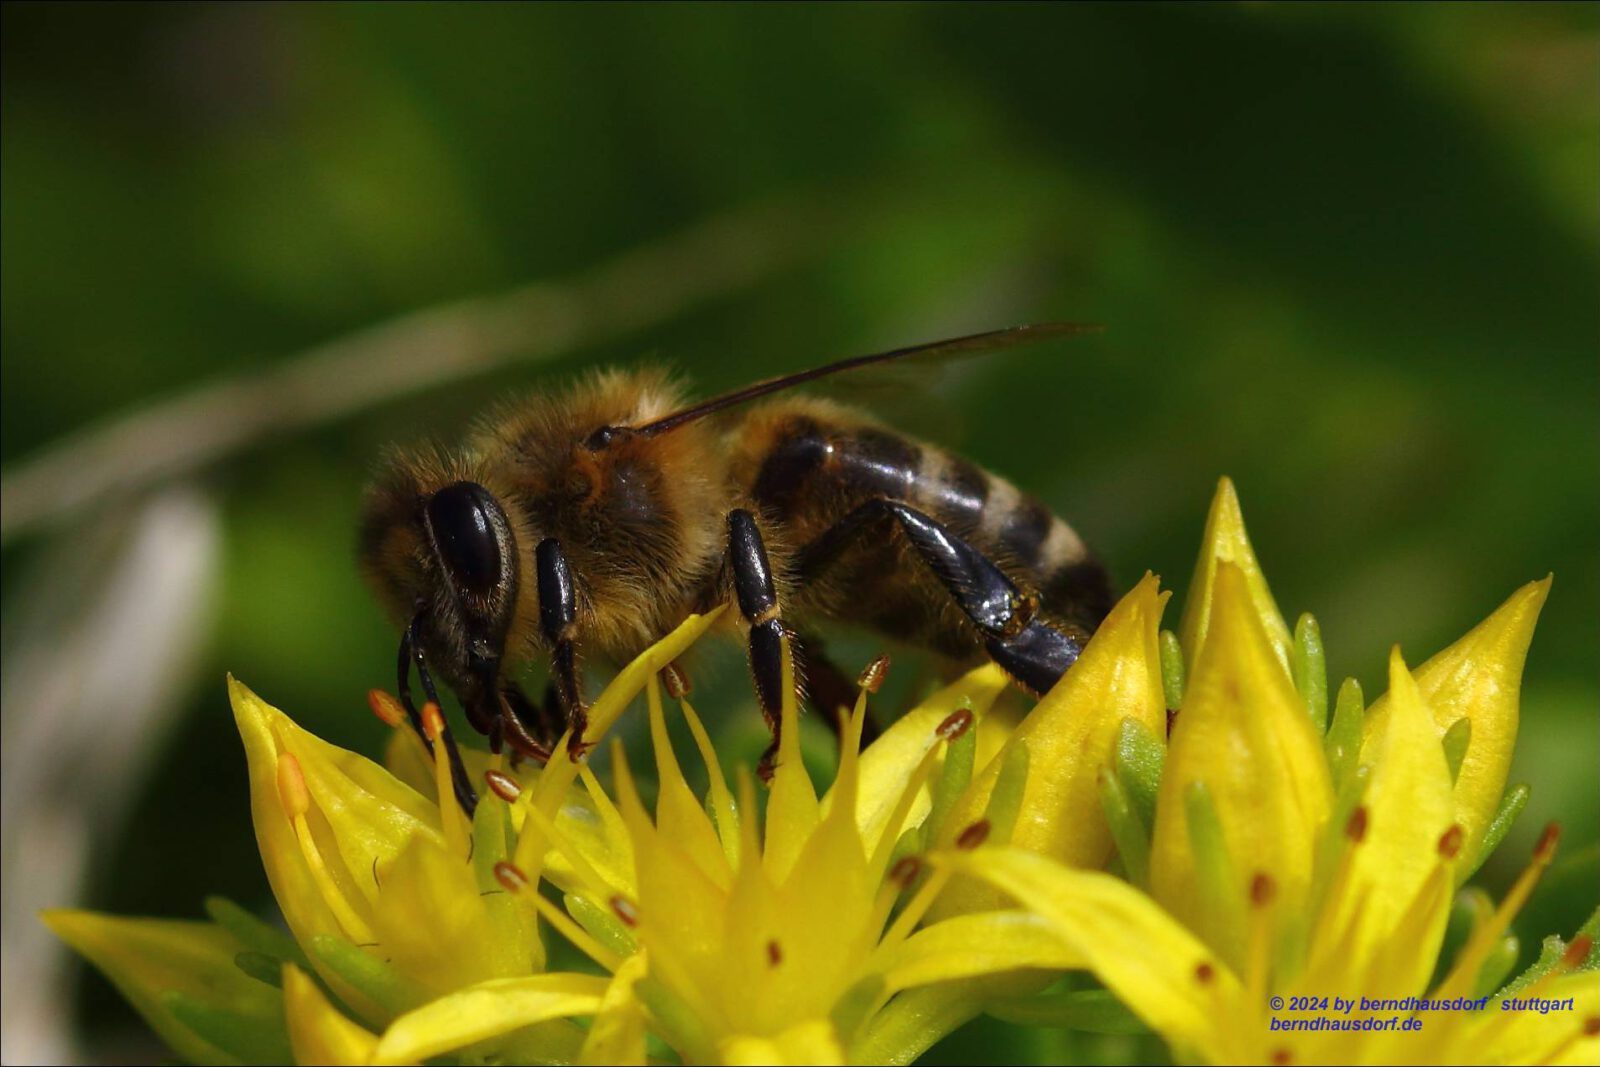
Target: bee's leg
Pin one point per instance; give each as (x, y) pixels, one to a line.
(1034, 653)
(411, 653)
(517, 710)
(828, 689)
(558, 610)
(758, 603)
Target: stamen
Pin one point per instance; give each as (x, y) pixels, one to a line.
(456, 835)
(973, 836)
(774, 954)
(955, 724)
(292, 791)
(503, 786)
(873, 674)
(1591, 1026)
(510, 876)
(1451, 840)
(432, 721)
(1263, 890)
(1577, 952)
(676, 680)
(625, 909)
(386, 707)
(1204, 972)
(1482, 941)
(905, 871)
(1356, 828)
(295, 797)
(1282, 1057)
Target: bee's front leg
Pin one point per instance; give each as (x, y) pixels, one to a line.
(558, 610)
(758, 603)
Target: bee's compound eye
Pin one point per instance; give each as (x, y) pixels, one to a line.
(462, 517)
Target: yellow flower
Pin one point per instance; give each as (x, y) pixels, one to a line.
(1283, 872)
(950, 868)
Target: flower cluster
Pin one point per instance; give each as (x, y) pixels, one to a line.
(1257, 847)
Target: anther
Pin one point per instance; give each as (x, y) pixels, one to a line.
(1546, 848)
(1204, 973)
(432, 721)
(292, 791)
(625, 909)
(1577, 952)
(955, 724)
(511, 876)
(1451, 840)
(1262, 889)
(1356, 828)
(974, 835)
(774, 954)
(904, 872)
(1591, 1026)
(503, 785)
(1281, 1057)
(873, 674)
(386, 707)
(676, 680)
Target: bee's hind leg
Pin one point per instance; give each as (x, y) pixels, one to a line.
(1034, 653)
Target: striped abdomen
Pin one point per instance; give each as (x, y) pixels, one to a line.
(809, 464)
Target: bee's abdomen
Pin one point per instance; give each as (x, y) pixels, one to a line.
(813, 471)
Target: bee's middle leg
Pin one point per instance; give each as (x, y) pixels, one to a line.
(758, 603)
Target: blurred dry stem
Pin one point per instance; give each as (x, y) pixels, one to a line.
(542, 320)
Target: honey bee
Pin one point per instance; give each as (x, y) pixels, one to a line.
(596, 520)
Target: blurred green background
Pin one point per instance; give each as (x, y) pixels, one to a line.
(1347, 255)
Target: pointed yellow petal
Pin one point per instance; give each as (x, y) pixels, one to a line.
(1154, 965)
(792, 807)
(150, 960)
(1225, 540)
(618, 1033)
(1408, 810)
(359, 814)
(433, 925)
(488, 1010)
(1244, 736)
(968, 946)
(1071, 735)
(890, 760)
(808, 1043)
(318, 1032)
(1479, 678)
(679, 815)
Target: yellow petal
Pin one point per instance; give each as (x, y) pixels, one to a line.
(434, 926)
(968, 946)
(1408, 809)
(618, 1033)
(1225, 540)
(1244, 735)
(319, 1032)
(1479, 678)
(1071, 735)
(1155, 966)
(488, 1010)
(889, 761)
(150, 959)
(807, 1043)
(1556, 1037)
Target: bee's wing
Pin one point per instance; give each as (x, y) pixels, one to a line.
(973, 344)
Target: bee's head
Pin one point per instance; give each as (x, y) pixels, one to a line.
(442, 555)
